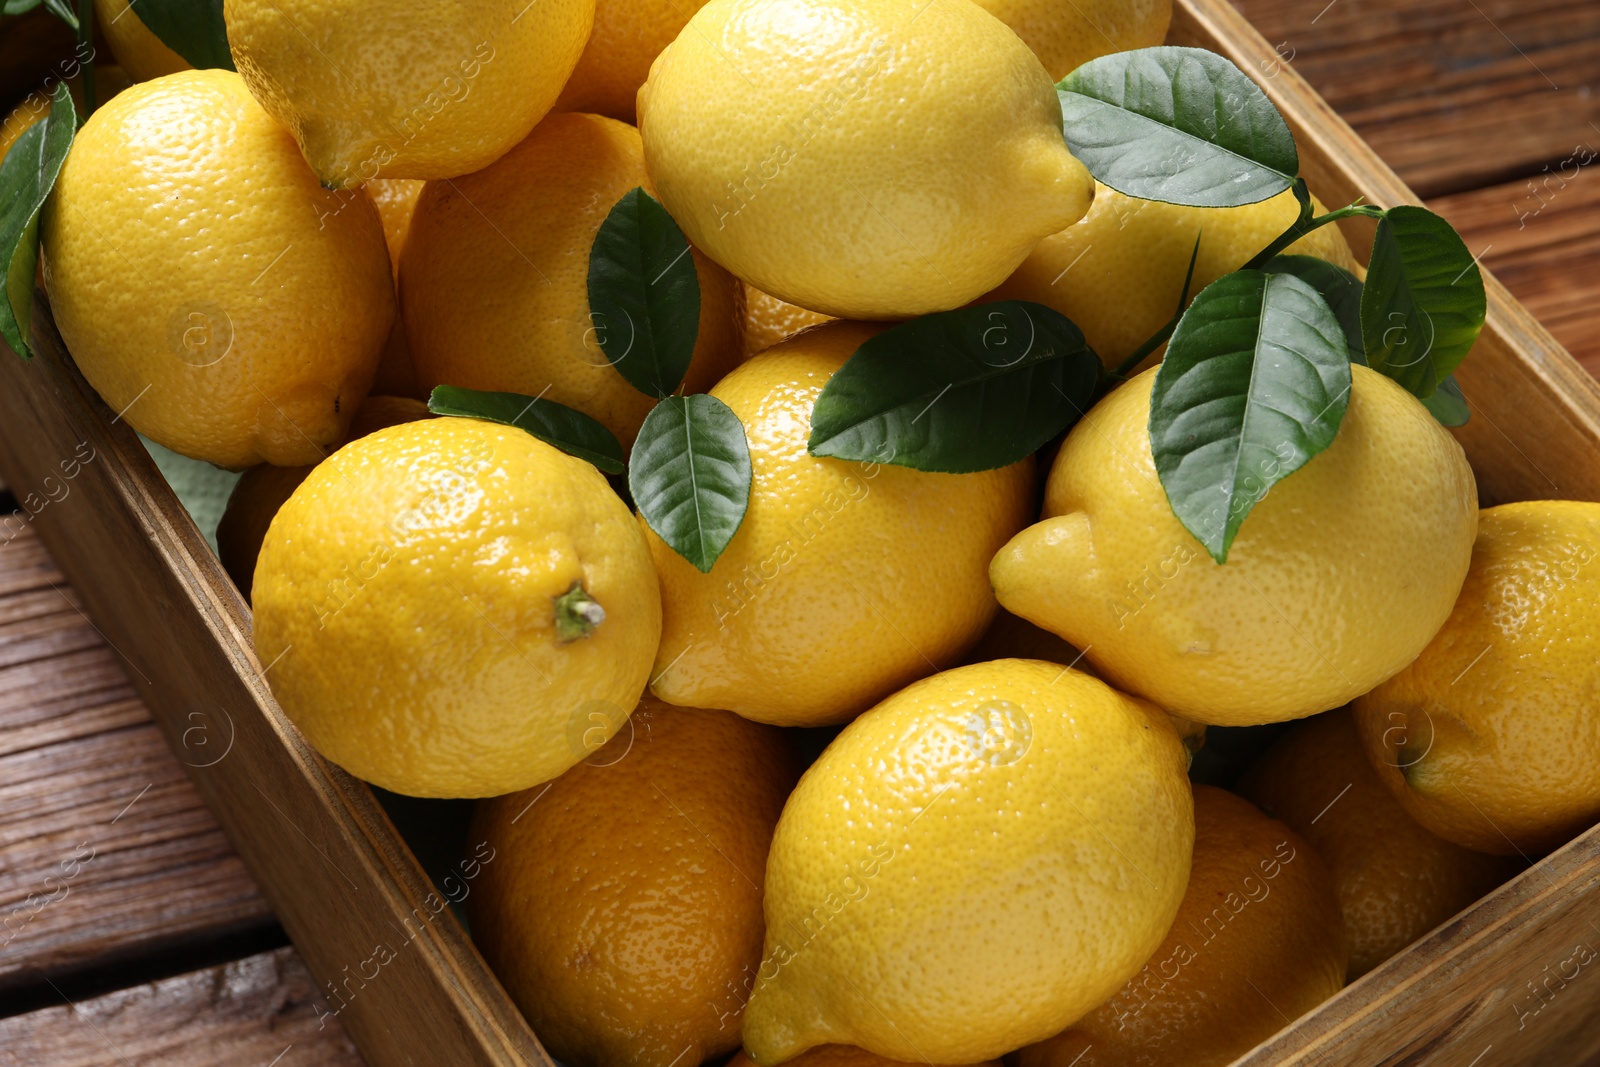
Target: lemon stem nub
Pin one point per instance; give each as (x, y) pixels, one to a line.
(577, 613)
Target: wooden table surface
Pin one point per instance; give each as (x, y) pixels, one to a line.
(130, 933)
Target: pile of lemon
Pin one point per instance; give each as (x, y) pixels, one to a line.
(1000, 854)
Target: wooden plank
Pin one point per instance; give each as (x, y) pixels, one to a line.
(1543, 242)
(256, 1011)
(336, 874)
(1453, 94)
(107, 851)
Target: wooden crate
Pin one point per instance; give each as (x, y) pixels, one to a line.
(349, 891)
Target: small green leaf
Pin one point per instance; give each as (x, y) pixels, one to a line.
(20, 7)
(1255, 382)
(966, 390)
(690, 475)
(1179, 125)
(1340, 288)
(1447, 404)
(61, 9)
(1423, 304)
(192, 28)
(555, 424)
(27, 174)
(644, 296)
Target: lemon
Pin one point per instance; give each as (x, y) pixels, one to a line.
(1379, 526)
(627, 37)
(1396, 880)
(845, 580)
(779, 135)
(768, 320)
(494, 277)
(1118, 272)
(211, 291)
(971, 866)
(839, 1056)
(1065, 36)
(410, 89)
(1491, 739)
(396, 201)
(1258, 941)
(137, 50)
(622, 907)
(443, 605)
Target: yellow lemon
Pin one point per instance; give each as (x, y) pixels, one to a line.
(444, 604)
(622, 907)
(1118, 272)
(1396, 880)
(768, 320)
(1379, 526)
(396, 201)
(494, 278)
(778, 134)
(971, 866)
(410, 89)
(846, 580)
(1491, 739)
(215, 295)
(1067, 35)
(137, 50)
(1258, 941)
(838, 1056)
(627, 37)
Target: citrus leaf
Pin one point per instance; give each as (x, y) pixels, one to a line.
(1255, 382)
(690, 475)
(1447, 404)
(192, 28)
(1423, 303)
(958, 391)
(555, 424)
(1340, 288)
(20, 7)
(62, 10)
(27, 174)
(1179, 125)
(644, 297)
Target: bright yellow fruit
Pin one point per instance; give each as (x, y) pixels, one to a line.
(446, 604)
(768, 320)
(212, 292)
(1118, 272)
(1257, 942)
(410, 89)
(494, 278)
(846, 580)
(1491, 739)
(1377, 527)
(1396, 880)
(1049, 866)
(838, 1056)
(396, 201)
(627, 37)
(779, 134)
(137, 50)
(622, 906)
(1067, 35)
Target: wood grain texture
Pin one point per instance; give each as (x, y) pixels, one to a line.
(249, 1013)
(106, 850)
(1453, 94)
(392, 960)
(1543, 242)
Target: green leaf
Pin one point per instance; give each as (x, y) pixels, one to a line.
(1423, 304)
(644, 297)
(555, 424)
(1447, 404)
(61, 9)
(1179, 125)
(19, 7)
(1255, 382)
(192, 28)
(27, 175)
(690, 475)
(1340, 288)
(966, 390)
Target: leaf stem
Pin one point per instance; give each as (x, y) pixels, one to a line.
(86, 45)
(1305, 223)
